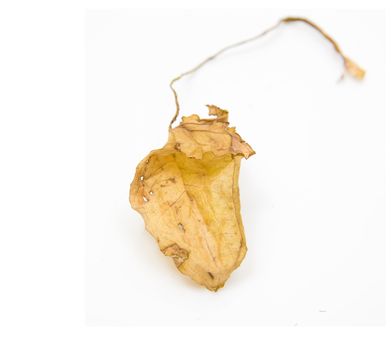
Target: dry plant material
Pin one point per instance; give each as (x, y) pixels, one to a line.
(187, 191)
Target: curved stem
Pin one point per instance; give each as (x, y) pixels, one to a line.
(350, 67)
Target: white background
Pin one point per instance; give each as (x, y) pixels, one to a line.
(42, 226)
(312, 197)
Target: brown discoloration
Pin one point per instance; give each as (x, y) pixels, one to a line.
(195, 210)
(195, 198)
(178, 254)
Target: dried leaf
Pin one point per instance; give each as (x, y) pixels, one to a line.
(187, 193)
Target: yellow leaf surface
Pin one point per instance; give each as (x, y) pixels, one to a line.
(187, 193)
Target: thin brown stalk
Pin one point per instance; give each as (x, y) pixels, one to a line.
(350, 67)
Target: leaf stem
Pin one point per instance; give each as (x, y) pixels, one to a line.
(350, 67)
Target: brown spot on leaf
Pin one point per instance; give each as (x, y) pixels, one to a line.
(178, 254)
